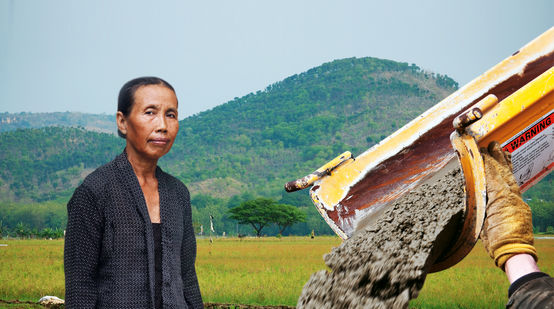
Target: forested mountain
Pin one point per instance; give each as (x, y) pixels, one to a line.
(91, 122)
(266, 138)
(244, 148)
(40, 164)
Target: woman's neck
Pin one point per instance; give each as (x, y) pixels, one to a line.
(144, 168)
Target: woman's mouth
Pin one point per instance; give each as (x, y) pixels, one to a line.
(159, 141)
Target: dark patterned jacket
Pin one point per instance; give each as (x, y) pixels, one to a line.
(109, 250)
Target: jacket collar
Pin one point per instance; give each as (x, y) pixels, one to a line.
(129, 179)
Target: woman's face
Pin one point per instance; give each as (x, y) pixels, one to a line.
(152, 125)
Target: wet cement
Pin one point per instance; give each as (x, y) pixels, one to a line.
(384, 265)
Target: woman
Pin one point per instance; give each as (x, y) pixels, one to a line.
(129, 240)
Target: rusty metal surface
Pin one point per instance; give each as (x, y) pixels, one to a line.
(399, 174)
(467, 118)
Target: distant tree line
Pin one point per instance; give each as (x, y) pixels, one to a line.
(23, 231)
(244, 214)
(248, 214)
(41, 219)
(541, 200)
(33, 220)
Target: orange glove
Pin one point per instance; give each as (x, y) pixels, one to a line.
(508, 228)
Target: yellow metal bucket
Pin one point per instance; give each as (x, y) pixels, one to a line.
(347, 191)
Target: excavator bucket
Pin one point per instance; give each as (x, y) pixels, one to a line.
(511, 103)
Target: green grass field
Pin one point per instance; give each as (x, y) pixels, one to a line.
(266, 271)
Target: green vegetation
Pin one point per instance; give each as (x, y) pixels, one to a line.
(267, 138)
(32, 217)
(286, 216)
(257, 213)
(48, 163)
(243, 149)
(541, 200)
(204, 205)
(261, 212)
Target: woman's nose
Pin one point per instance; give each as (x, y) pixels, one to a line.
(162, 124)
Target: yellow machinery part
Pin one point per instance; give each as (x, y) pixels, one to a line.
(349, 191)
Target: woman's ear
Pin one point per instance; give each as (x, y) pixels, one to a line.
(121, 123)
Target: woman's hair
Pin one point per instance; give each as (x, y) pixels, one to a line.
(126, 97)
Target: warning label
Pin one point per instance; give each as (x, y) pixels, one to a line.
(532, 151)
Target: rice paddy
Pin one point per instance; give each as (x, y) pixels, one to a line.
(264, 271)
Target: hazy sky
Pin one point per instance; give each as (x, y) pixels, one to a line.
(67, 55)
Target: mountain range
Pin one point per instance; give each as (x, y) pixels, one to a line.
(249, 146)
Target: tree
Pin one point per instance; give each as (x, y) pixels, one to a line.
(21, 230)
(258, 213)
(263, 211)
(287, 215)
